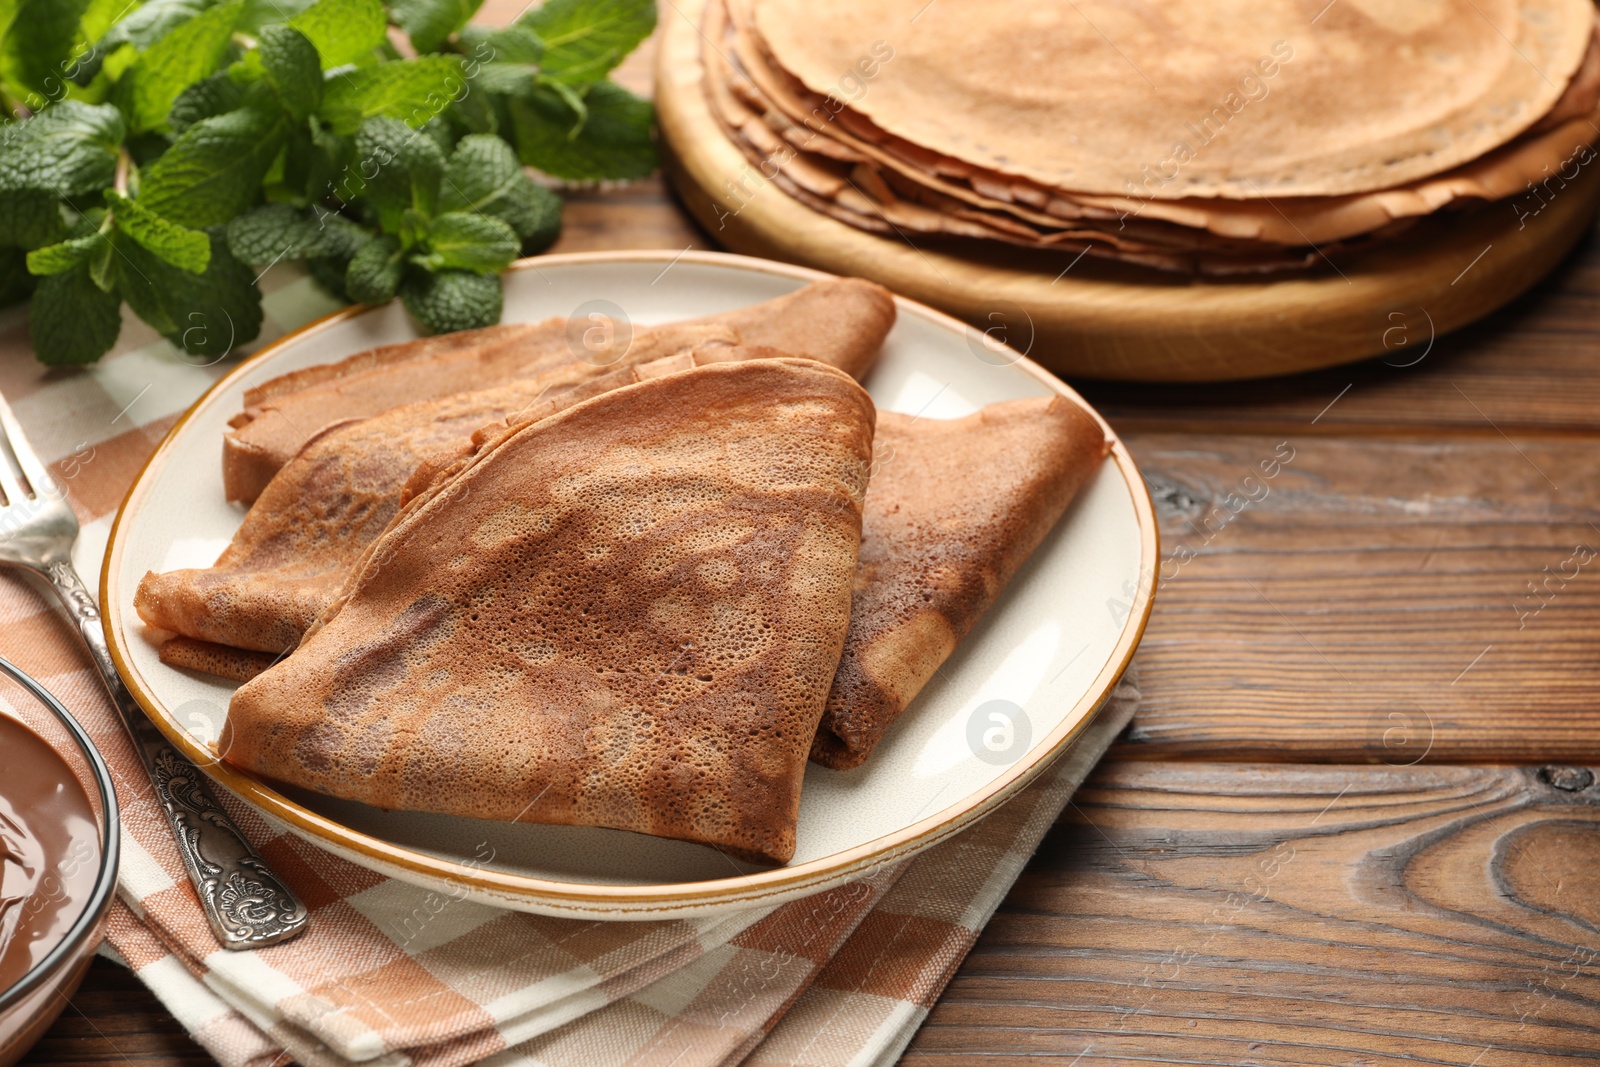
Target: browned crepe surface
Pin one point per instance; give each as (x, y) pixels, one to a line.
(866, 180)
(298, 543)
(841, 322)
(954, 509)
(625, 615)
(1371, 96)
(847, 186)
(282, 414)
(204, 657)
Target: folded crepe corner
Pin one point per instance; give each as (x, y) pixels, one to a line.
(839, 321)
(626, 615)
(954, 509)
(221, 661)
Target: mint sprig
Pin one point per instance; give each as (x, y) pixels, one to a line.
(164, 153)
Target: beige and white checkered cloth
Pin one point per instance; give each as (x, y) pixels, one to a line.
(390, 974)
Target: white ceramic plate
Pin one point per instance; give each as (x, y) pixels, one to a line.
(1053, 646)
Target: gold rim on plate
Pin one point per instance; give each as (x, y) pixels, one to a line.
(588, 900)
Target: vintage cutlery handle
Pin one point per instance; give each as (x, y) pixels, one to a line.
(247, 905)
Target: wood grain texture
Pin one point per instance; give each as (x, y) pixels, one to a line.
(1371, 601)
(113, 1019)
(1229, 914)
(1396, 541)
(1533, 366)
(1105, 320)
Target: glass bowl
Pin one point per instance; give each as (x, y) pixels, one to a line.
(65, 944)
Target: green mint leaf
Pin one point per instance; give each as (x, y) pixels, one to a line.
(187, 53)
(276, 232)
(205, 99)
(512, 79)
(328, 166)
(512, 44)
(612, 142)
(374, 272)
(344, 31)
(414, 228)
(259, 14)
(453, 300)
(473, 113)
(482, 244)
(92, 224)
(430, 22)
(443, 134)
(502, 61)
(575, 101)
(148, 23)
(70, 148)
(16, 284)
(184, 248)
(30, 218)
(405, 168)
(584, 39)
(328, 272)
(214, 170)
(535, 213)
(413, 90)
(290, 64)
(206, 315)
(37, 50)
(86, 60)
(98, 15)
(485, 176)
(56, 258)
(267, 234)
(482, 168)
(72, 320)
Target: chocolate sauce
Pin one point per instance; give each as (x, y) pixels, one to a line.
(49, 849)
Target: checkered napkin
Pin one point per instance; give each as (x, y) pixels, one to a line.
(391, 974)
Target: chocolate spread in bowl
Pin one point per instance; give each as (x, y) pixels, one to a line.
(49, 850)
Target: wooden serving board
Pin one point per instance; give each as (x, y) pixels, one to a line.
(1098, 320)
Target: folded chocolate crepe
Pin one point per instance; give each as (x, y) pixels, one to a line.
(322, 509)
(845, 319)
(625, 615)
(298, 543)
(954, 509)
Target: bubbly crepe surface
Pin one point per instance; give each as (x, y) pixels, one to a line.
(1088, 96)
(625, 615)
(323, 507)
(954, 509)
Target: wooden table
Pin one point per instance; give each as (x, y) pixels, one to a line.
(1356, 821)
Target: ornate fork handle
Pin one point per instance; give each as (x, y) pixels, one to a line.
(246, 904)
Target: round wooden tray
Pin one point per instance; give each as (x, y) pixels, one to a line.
(1105, 321)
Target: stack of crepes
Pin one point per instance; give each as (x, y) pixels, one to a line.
(1199, 136)
(637, 586)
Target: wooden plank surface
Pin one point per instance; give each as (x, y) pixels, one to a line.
(1370, 578)
(1190, 913)
(114, 1019)
(1533, 366)
(1427, 913)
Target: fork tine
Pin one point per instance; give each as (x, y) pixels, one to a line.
(10, 484)
(37, 473)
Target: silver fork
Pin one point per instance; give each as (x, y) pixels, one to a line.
(247, 905)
